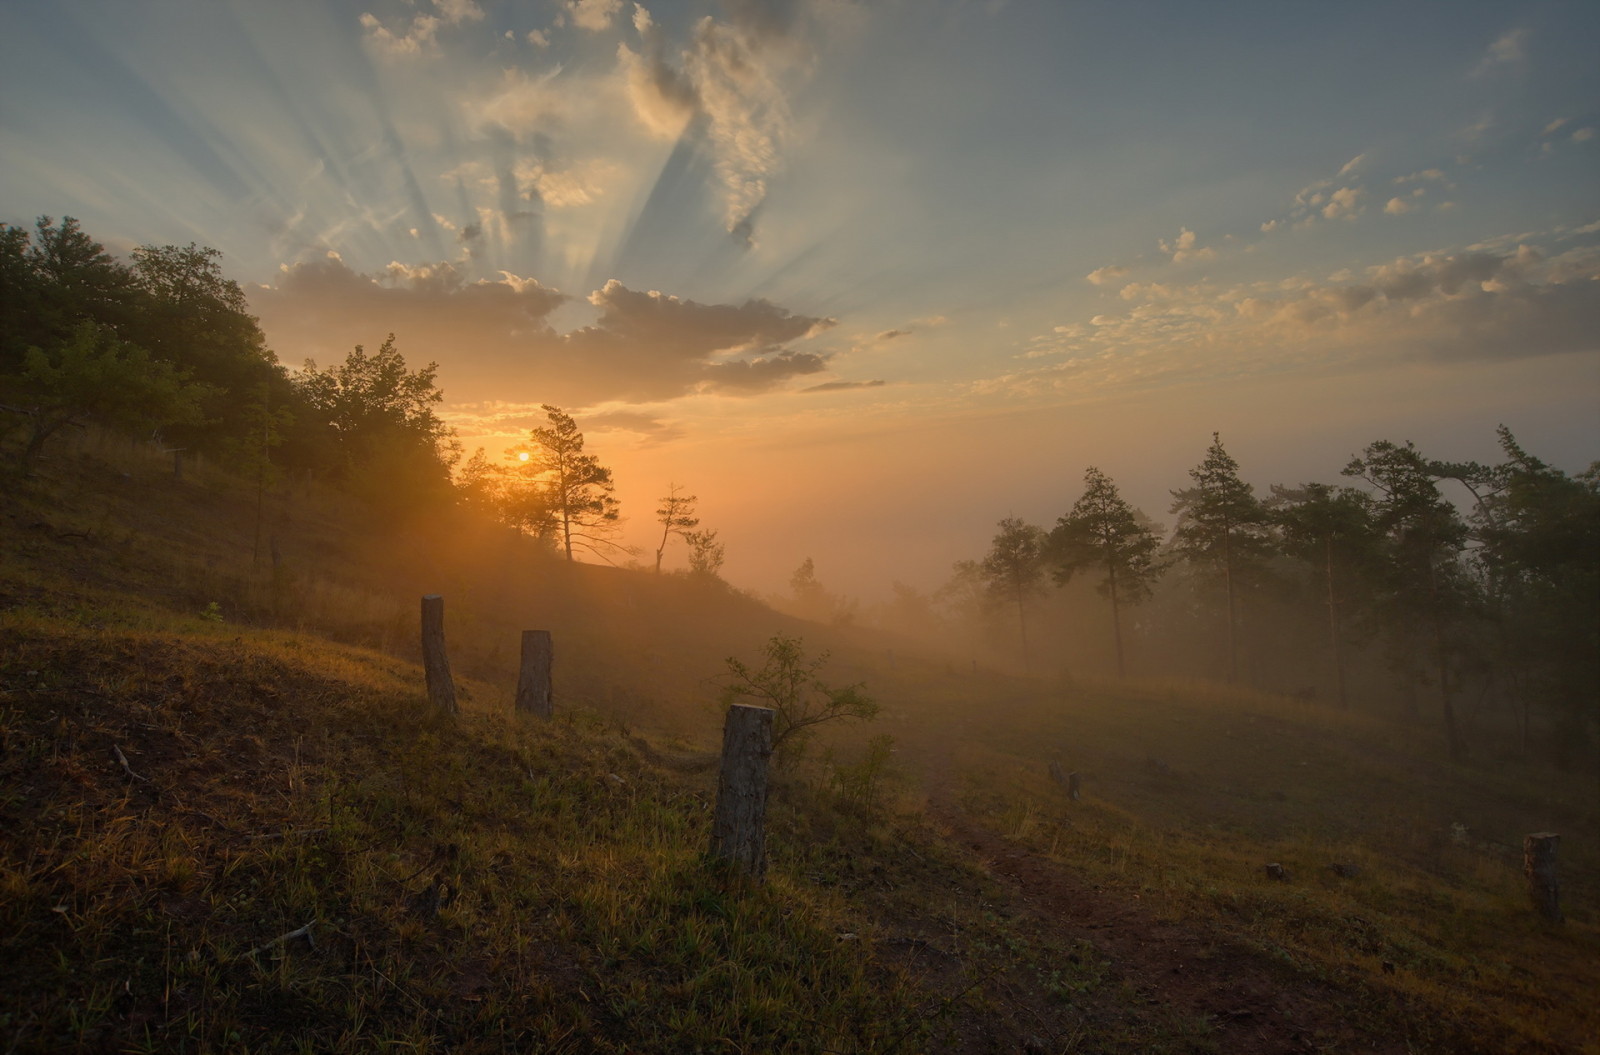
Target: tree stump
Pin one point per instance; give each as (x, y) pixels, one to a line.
(1073, 790)
(738, 830)
(435, 662)
(1539, 865)
(533, 681)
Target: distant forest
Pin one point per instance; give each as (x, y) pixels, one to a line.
(1463, 590)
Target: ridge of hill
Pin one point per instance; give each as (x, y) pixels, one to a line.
(231, 826)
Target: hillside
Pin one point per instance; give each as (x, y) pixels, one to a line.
(230, 827)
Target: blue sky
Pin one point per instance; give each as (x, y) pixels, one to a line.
(918, 261)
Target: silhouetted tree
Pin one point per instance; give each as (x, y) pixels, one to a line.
(383, 438)
(1221, 527)
(1104, 532)
(705, 553)
(576, 487)
(676, 516)
(1425, 537)
(1013, 572)
(94, 377)
(1331, 529)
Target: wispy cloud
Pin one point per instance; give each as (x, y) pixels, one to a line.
(1508, 49)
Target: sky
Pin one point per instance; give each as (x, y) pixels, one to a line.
(866, 277)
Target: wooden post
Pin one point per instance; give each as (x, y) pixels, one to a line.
(435, 662)
(1539, 865)
(738, 830)
(1073, 790)
(533, 682)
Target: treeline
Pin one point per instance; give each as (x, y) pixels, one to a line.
(163, 346)
(1443, 581)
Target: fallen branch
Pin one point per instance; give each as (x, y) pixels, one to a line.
(298, 932)
(123, 759)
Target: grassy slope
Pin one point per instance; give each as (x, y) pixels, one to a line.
(499, 886)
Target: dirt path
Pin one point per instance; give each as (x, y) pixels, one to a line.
(1250, 1004)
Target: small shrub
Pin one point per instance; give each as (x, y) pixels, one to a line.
(787, 682)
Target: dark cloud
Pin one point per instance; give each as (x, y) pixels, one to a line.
(493, 339)
(841, 386)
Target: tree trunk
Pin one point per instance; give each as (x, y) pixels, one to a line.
(1539, 865)
(533, 681)
(738, 830)
(1233, 630)
(1333, 630)
(1116, 618)
(435, 661)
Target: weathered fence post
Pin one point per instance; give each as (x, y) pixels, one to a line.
(435, 662)
(1539, 865)
(1073, 790)
(533, 681)
(738, 830)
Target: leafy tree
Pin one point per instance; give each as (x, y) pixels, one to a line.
(50, 282)
(95, 377)
(1425, 537)
(705, 553)
(378, 423)
(191, 314)
(1541, 543)
(787, 682)
(1105, 533)
(576, 487)
(1332, 529)
(676, 516)
(1013, 572)
(1221, 527)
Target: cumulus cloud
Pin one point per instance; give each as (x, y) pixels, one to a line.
(414, 40)
(593, 15)
(1184, 247)
(1397, 207)
(1344, 203)
(728, 88)
(1508, 49)
(1475, 304)
(1110, 273)
(645, 346)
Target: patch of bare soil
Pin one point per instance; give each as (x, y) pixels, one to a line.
(1183, 987)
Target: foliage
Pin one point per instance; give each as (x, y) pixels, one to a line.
(1103, 531)
(377, 415)
(787, 682)
(95, 377)
(1012, 572)
(1221, 527)
(573, 486)
(809, 599)
(676, 517)
(706, 554)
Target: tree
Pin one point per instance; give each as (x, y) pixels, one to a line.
(1541, 544)
(95, 377)
(261, 428)
(1332, 529)
(705, 553)
(1221, 526)
(676, 516)
(1425, 537)
(787, 682)
(1013, 572)
(577, 488)
(379, 426)
(1104, 532)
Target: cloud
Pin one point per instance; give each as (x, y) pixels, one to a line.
(728, 88)
(1185, 248)
(1426, 175)
(1397, 207)
(1344, 203)
(593, 15)
(1110, 273)
(489, 335)
(456, 12)
(539, 38)
(842, 386)
(1351, 165)
(413, 41)
(1483, 305)
(1509, 49)
(1583, 135)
